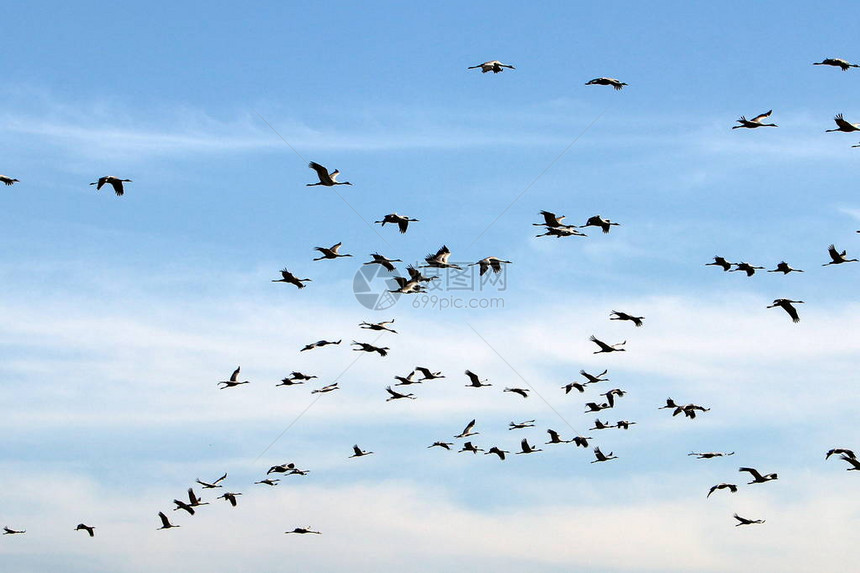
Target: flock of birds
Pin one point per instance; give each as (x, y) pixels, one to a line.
(416, 282)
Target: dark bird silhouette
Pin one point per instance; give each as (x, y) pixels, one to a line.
(757, 477)
(709, 455)
(10, 531)
(606, 82)
(720, 262)
(855, 463)
(624, 424)
(182, 505)
(268, 481)
(358, 452)
(319, 344)
(325, 178)
(606, 347)
(488, 263)
(114, 182)
(365, 347)
(494, 66)
(550, 220)
(562, 231)
(670, 405)
(837, 258)
(193, 500)
(332, 252)
(842, 451)
(842, 125)
(8, 180)
(88, 528)
(745, 521)
(383, 261)
(400, 220)
(581, 441)
(572, 386)
(598, 425)
(598, 221)
(467, 431)
(787, 306)
(234, 380)
(288, 277)
(446, 445)
(299, 376)
(521, 425)
(612, 394)
(555, 438)
(745, 267)
(469, 447)
(165, 523)
(755, 122)
(526, 448)
(689, 410)
(594, 379)
(397, 395)
(427, 374)
(524, 392)
(439, 259)
(475, 382)
(601, 457)
(636, 320)
(407, 380)
(836, 62)
(214, 484)
(730, 486)
(378, 326)
(304, 531)
(497, 451)
(282, 468)
(289, 382)
(229, 496)
(591, 407)
(328, 388)
(784, 268)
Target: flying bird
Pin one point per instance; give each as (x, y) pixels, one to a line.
(446, 445)
(574, 385)
(494, 66)
(837, 258)
(591, 407)
(594, 379)
(521, 425)
(624, 424)
(745, 267)
(787, 306)
(524, 392)
(234, 380)
(555, 438)
(383, 261)
(784, 268)
(551, 220)
(755, 122)
(400, 220)
(562, 231)
(165, 523)
(606, 82)
(319, 344)
(427, 374)
(757, 477)
(325, 178)
(268, 481)
(837, 63)
(407, 380)
(304, 531)
(182, 505)
(598, 221)
(526, 448)
(467, 431)
(88, 528)
(325, 389)
(378, 326)
(193, 500)
(842, 125)
(8, 180)
(114, 182)
(498, 452)
(730, 486)
(214, 484)
(745, 521)
(359, 452)
(488, 263)
(439, 260)
(288, 277)
(581, 441)
(397, 395)
(229, 496)
(332, 252)
(365, 347)
(475, 382)
(844, 451)
(709, 455)
(606, 347)
(612, 394)
(469, 447)
(601, 457)
(720, 262)
(636, 320)
(855, 463)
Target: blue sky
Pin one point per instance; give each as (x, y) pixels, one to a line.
(120, 314)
